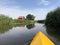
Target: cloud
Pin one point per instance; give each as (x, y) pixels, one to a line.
(39, 13)
(44, 2)
(15, 11)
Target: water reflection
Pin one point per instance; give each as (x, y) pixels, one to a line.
(30, 26)
(55, 32)
(19, 25)
(4, 28)
(22, 35)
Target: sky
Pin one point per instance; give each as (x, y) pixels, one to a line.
(38, 8)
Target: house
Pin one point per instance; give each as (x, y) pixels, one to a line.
(21, 17)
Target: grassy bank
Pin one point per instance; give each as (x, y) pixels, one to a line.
(23, 22)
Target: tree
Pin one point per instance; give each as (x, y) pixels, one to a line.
(30, 17)
(53, 18)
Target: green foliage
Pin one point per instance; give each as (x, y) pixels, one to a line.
(40, 21)
(5, 19)
(53, 18)
(30, 17)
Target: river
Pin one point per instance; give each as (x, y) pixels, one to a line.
(23, 34)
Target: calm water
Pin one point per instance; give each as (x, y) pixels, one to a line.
(23, 34)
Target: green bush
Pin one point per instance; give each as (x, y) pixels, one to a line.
(53, 18)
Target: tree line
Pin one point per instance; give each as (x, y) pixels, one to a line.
(8, 20)
(53, 18)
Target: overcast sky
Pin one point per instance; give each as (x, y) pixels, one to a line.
(39, 8)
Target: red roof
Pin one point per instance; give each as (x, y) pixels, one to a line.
(21, 17)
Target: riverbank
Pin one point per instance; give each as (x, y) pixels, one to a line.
(17, 22)
(40, 21)
(24, 22)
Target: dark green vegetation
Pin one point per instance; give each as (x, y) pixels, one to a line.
(53, 18)
(52, 23)
(40, 21)
(30, 17)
